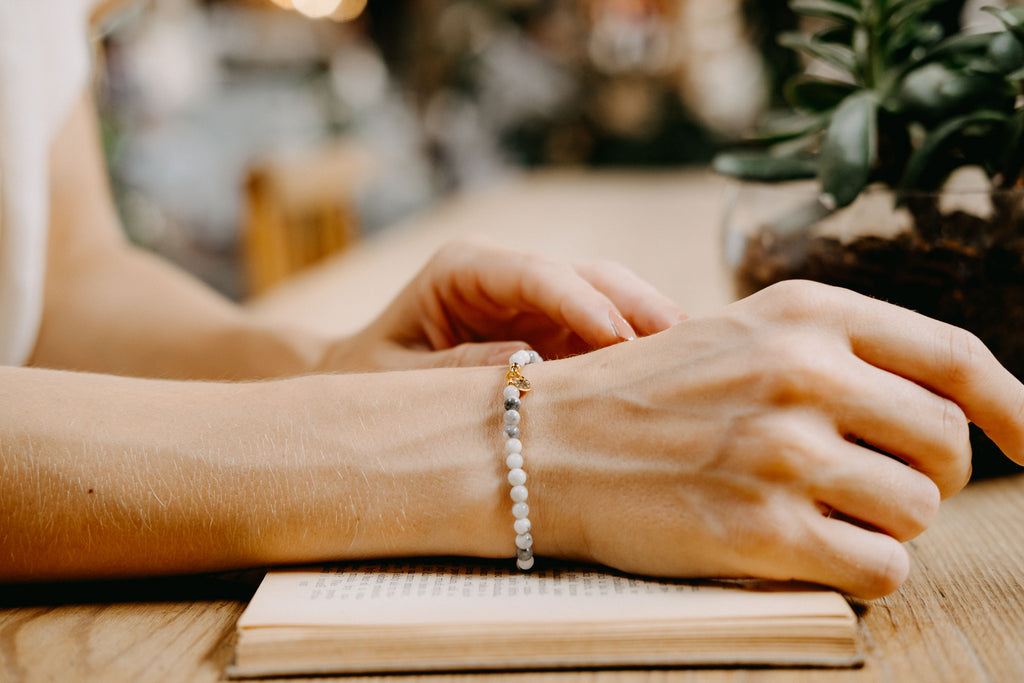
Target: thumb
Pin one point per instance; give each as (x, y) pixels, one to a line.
(468, 355)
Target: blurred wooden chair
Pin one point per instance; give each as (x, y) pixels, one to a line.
(300, 209)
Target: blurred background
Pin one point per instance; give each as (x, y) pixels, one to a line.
(249, 138)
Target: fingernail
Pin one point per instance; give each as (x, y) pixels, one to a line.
(620, 327)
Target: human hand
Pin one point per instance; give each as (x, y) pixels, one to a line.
(736, 444)
(475, 303)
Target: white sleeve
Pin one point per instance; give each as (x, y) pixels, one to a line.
(44, 65)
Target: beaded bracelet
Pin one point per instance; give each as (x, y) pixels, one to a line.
(515, 385)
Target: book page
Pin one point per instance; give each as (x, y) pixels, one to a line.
(368, 594)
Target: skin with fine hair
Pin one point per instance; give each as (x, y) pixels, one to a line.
(735, 444)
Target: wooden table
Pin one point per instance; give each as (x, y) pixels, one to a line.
(959, 618)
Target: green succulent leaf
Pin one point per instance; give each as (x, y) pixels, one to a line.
(1012, 18)
(841, 12)
(850, 148)
(936, 91)
(903, 12)
(960, 46)
(1006, 52)
(837, 55)
(927, 167)
(909, 104)
(762, 166)
(817, 95)
(953, 51)
(907, 38)
(836, 33)
(786, 125)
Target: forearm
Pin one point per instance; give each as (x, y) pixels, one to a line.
(107, 476)
(119, 310)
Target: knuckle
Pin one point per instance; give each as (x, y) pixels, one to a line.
(770, 533)
(612, 269)
(888, 573)
(604, 265)
(959, 352)
(919, 500)
(926, 508)
(797, 299)
(460, 250)
(955, 427)
(956, 433)
(458, 356)
(1017, 410)
(795, 369)
(779, 447)
(449, 254)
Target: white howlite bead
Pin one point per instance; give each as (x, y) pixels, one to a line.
(519, 493)
(512, 417)
(517, 477)
(521, 357)
(520, 510)
(510, 392)
(513, 446)
(534, 356)
(514, 461)
(522, 526)
(525, 565)
(524, 541)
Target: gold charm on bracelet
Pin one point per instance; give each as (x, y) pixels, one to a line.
(515, 378)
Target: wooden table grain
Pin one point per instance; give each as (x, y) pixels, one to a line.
(959, 617)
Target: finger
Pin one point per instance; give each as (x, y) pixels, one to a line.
(927, 431)
(876, 490)
(463, 355)
(640, 302)
(943, 358)
(948, 360)
(860, 562)
(527, 282)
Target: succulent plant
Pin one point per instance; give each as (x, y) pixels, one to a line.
(906, 103)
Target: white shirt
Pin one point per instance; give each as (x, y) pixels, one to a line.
(44, 63)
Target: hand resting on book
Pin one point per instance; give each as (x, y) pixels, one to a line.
(737, 444)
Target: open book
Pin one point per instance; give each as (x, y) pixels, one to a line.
(436, 616)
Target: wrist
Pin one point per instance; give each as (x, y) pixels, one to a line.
(416, 462)
(552, 416)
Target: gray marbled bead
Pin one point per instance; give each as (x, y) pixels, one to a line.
(512, 431)
(513, 404)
